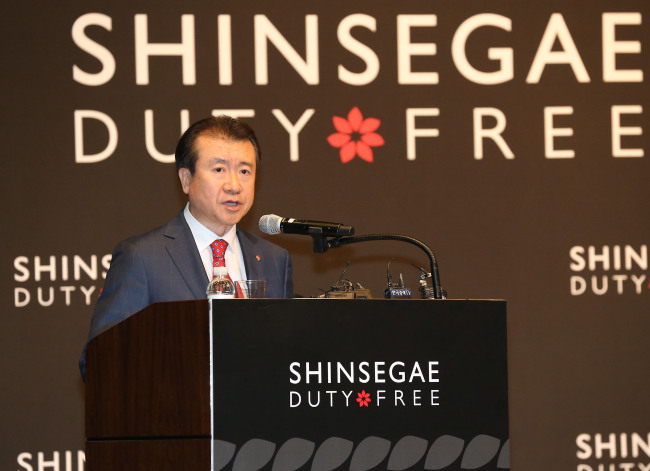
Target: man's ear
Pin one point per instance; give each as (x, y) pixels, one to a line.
(185, 176)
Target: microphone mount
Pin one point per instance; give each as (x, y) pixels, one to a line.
(430, 289)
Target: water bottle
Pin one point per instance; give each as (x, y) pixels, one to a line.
(220, 287)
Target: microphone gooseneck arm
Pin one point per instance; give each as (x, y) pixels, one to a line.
(432, 290)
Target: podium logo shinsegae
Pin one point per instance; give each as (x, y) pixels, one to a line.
(365, 384)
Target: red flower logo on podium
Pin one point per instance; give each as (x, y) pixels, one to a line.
(363, 399)
(355, 136)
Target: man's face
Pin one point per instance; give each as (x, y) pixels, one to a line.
(222, 189)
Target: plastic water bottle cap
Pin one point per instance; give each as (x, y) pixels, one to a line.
(220, 271)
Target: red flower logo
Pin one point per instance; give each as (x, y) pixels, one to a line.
(363, 399)
(355, 136)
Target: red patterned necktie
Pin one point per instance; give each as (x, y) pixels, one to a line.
(219, 247)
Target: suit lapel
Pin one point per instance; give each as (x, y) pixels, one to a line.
(253, 264)
(181, 248)
(183, 252)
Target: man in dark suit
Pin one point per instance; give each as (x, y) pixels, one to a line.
(217, 160)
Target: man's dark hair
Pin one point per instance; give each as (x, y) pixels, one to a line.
(220, 127)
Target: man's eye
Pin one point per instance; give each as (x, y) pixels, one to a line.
(218, 169)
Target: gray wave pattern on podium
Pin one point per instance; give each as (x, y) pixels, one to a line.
(369, 453)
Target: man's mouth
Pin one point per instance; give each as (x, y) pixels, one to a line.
(232, 203)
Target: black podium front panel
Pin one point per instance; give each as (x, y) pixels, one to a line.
(327, 384)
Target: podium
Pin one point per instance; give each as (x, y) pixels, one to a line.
(289, 384)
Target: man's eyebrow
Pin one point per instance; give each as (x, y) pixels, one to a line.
(222, 160)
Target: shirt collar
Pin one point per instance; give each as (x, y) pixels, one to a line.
(204, 236)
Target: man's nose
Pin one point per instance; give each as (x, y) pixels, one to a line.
(232, 183)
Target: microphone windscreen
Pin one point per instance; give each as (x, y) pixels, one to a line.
(270, 224)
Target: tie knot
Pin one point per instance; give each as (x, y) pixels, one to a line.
(219, 247)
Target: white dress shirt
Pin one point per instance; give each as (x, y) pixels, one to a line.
(204, 237)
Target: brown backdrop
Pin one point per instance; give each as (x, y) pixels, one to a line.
(528, 177)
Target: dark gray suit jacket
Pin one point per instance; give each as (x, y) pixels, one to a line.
(164, 265)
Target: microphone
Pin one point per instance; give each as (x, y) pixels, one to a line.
(272, 224)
